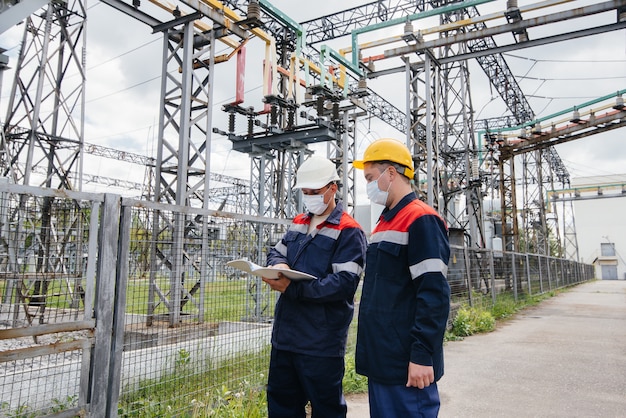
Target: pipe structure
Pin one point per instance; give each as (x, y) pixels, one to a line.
(326, 51)
(567, 111)
(393, 22)
(450, 26)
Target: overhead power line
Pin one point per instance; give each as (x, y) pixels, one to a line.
(590, 61)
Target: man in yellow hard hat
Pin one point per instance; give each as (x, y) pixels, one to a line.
(405, 302)
(312, 318)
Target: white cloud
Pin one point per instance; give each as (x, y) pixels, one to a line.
(124, 57)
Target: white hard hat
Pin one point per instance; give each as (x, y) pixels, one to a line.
(315, 173)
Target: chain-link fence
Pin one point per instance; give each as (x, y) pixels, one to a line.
(478, 275)
(114, 306)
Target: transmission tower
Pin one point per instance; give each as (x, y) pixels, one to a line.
(45, 114)
(42, 139)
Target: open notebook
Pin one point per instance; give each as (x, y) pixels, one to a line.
(268, 272)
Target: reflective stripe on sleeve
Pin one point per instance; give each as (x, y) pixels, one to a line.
(281, 248)
(431, 265)
(350, 267)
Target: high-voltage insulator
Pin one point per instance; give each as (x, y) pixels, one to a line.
(273, 115)
(408, 29)
(320, 106)
(250, 125)
(231, 122)
(475, 169)
(362, 83)
(335, 111)
(254, 10)
(290, 118)
(511, 4)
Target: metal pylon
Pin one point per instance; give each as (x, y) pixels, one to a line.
(341, 152)
(570, 240)
(44, 126)
(42, 145)
(441, 137)
(534, 225)
(183, 164)
(508, 214)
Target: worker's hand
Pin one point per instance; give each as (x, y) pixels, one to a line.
(280, 266)
(280, 284)
(420, 376)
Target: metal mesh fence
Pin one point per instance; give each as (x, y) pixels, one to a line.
(222, 335)
(128, 307)
(44, 291)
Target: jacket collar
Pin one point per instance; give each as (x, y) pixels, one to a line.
(388, 214)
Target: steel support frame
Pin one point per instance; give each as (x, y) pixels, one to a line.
(533, 213)
(457, 150)
(182, 167)
(570, 240)
(508, 211)
(44, 126)
(44, 134)
(342, 152)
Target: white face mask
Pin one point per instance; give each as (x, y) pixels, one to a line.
(375, 194)
(315, 203)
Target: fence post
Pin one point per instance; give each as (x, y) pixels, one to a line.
(468, 276)
(105, 295)
(549, 273)
(493, 278)
(90, 296)
(119, 311)
(514, 273)
(530, 287)
(540, 274)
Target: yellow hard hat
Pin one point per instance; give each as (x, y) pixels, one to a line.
(388, 149)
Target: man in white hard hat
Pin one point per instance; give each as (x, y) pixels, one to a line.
(312, 317)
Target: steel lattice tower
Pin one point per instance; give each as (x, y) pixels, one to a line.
(44, 126)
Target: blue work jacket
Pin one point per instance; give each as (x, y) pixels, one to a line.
(405, 302)
(312, 316)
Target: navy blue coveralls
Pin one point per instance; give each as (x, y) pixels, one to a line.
(312, 317)
(405, 302)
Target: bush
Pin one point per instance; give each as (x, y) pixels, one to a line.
(470, 321)
(352, 381)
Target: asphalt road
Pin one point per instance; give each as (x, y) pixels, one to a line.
(563, 358)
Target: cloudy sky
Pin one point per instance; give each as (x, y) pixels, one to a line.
(123, 71)
(123, 81)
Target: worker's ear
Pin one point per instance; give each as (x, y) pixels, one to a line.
(392, 173)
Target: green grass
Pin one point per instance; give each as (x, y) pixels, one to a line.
(482, 316)
(235, 388)
(224, 300)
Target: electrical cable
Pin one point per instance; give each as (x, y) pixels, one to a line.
(564, 61)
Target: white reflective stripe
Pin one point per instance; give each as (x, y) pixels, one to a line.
(281, 248)
(301, 228)
(395, 237)
(350, 267)
(431, 265)
(330, 233)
